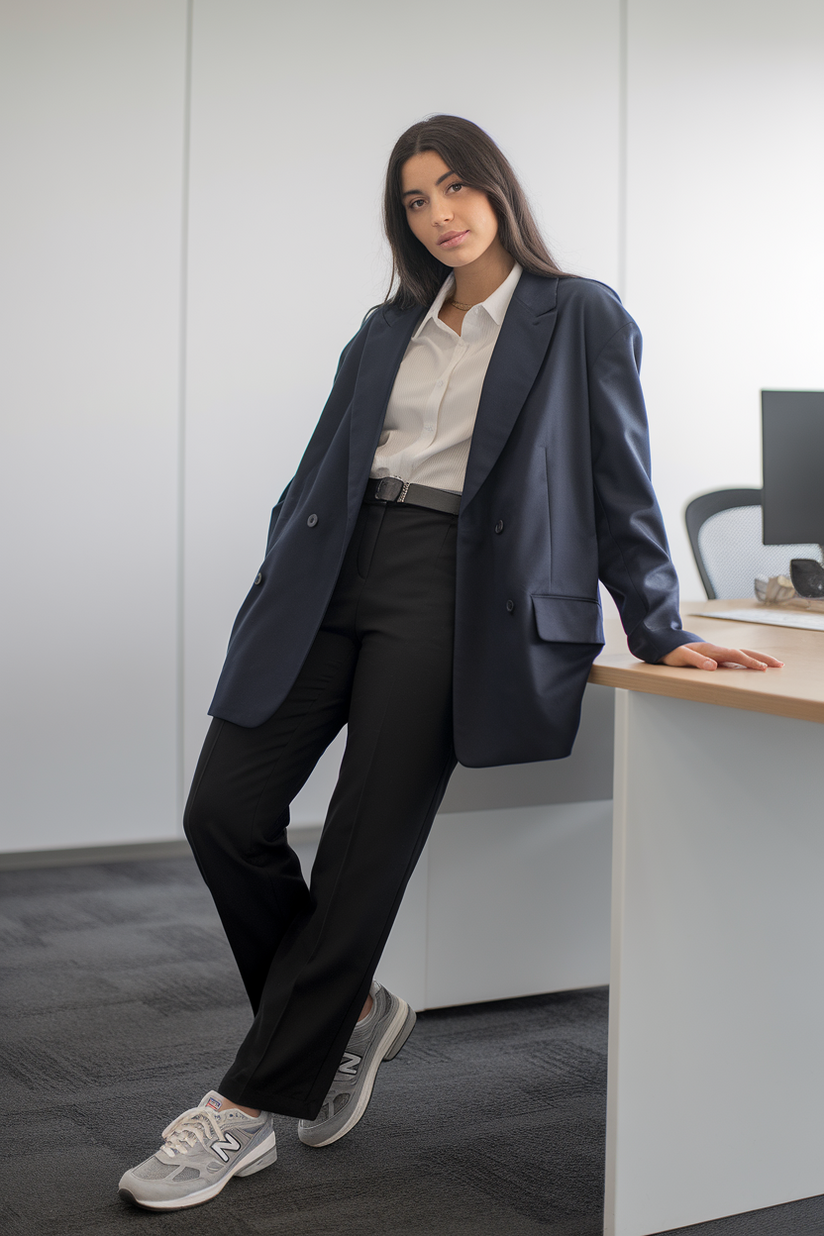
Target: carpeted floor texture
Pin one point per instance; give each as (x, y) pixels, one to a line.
(120, 1007)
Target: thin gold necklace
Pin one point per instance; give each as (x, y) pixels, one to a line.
(459, 305)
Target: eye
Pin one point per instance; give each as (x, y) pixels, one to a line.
(455, 185)
(415, 204)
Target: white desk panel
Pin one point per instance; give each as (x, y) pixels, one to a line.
(716, 1079)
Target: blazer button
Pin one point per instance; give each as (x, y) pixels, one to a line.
(499, 527)
(259, 579)
(312, 520)
(510, 605)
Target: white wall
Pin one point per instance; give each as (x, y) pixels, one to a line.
(725, 237)
(712, 222)
(92, 96)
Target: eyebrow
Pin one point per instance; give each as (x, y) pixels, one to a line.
(439, 181)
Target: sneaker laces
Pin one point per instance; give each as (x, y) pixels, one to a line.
(197, 1126)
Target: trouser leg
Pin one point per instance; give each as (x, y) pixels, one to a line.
(238, 807)
(395, 599)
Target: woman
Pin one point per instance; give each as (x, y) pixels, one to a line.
(431, 580)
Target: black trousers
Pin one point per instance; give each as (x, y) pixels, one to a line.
(381, 662)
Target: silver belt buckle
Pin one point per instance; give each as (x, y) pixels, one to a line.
(391, 489)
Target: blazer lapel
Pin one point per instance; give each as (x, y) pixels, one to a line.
(386, 343)
(513, 366)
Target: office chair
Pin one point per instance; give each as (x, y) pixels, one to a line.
(724, 528)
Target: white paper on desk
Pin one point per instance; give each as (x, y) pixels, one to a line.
(801, 620)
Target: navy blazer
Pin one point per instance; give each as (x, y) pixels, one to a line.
(557, 495)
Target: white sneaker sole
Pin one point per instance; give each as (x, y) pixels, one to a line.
(396, 1034)
(267, 1155)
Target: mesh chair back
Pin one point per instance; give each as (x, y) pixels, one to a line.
(725, 533)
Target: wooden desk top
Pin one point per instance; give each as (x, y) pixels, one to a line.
(796, 690)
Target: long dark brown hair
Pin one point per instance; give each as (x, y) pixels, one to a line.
(474, 157)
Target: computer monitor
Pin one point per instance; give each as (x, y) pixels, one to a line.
(792, 499)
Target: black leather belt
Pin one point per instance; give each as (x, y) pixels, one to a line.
(393, 489)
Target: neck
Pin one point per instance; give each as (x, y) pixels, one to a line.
(475, 282)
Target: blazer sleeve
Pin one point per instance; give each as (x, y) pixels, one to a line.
(633, 555)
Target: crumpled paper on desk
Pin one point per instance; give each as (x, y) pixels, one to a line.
(779, 590)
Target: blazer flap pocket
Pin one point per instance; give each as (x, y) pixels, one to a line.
(568, 620)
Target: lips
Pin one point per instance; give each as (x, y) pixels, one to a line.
(450, 239)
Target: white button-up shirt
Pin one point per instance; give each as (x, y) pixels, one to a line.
(431, 413)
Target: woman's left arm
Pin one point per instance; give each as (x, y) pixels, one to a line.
(710, 656)
(633, 554)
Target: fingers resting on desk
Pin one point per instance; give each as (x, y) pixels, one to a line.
(710, 656)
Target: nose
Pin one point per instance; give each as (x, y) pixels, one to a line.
(441, 211)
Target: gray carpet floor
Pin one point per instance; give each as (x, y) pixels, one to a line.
(120, 1006)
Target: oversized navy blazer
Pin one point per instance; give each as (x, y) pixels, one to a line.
(557, 494)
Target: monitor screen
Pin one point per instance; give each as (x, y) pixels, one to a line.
(793, 458)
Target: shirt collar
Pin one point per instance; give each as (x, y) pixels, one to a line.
(495, 304)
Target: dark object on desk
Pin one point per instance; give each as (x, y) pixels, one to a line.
(808, 577)
(724, 528)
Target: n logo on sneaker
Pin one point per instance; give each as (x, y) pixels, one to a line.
(229, 1143)
(349, 1064)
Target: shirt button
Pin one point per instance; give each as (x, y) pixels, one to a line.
(312, 520)
(499, 527)
(439, 384)
(259, 579)
(510, 605)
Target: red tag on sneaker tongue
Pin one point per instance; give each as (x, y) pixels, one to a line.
(214, 1102)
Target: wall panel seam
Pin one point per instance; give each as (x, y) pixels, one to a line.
(623, 143)
(181, 413)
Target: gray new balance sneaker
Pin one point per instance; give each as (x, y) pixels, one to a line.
(201, 1152)
(379, 1037)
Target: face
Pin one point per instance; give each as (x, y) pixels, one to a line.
(455, 223)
